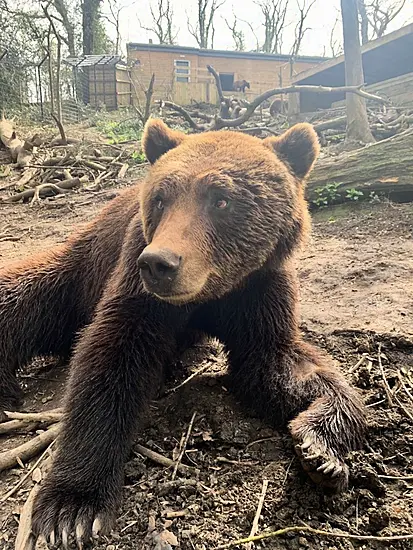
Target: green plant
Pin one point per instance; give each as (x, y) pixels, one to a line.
(353, 194)
(127, 130)
(375, 198)
(138, 157)
(326, 195)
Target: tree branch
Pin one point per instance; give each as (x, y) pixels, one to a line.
(194, 125)
(233, 123)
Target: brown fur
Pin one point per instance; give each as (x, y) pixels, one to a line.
(278, 106)
(204, 246)
(240, 85)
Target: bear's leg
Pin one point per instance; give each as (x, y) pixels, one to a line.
(39, 315)
(115, 371)
(288, 381)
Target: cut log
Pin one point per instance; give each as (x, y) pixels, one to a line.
(383, 167)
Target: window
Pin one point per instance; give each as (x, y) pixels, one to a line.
(182, 63)
(182, 70)
(227, 81)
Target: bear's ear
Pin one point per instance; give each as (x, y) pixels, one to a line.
(158, 139)
(298, 147)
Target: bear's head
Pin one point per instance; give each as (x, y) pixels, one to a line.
(218, 206)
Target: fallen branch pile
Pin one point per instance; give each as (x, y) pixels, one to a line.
(58, 170)
(385, 121)
(235, 112)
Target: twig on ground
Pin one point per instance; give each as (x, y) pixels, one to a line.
(160, 459)
(183, 447)
(63, 187)
(310, 530)
(193, 375)
(53, 415)
(11, 458)
(254, 528)
(386, 384)
(25, 540)
(397, 478)
(406, 389)
(175, 514)
(28, 474)
(123, 169)
(15, 425)
(236, 462)
(13, 238)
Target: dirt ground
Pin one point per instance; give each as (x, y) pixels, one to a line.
(357, 295)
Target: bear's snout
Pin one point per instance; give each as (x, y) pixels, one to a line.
(159, 268)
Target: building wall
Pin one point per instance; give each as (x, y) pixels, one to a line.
(261, 73)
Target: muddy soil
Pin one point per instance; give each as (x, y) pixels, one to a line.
(356, 297)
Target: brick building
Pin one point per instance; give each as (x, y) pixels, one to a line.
(181, 73)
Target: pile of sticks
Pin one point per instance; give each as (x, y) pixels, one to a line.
(55, 172)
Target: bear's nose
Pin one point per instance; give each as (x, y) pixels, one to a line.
(160, 265)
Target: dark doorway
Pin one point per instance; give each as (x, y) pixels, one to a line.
(227, 81)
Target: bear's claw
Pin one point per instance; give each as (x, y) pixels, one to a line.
(67, 519)
(321, 464)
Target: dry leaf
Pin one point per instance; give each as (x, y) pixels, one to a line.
(207, 436)
(389, 180)
(168, 537)
(37, 475)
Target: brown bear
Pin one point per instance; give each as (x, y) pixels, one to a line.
(204, 244)
(240, 85)
(278, 106)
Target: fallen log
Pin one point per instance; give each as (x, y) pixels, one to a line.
(385, 167)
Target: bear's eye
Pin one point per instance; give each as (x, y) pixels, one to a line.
(159, 203)
(221, 204)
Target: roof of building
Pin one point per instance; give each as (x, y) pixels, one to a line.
(221, 53)
(384, 58)
(93, 60)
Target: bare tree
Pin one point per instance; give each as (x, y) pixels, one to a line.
(357, 122)
(68, 24)
(300, 28)
(274, 13)
(204, 30)
(112, 16)
(162, 22)
(336, 46)
(32, 14)
(254, 33)
(364, 21)
(376, 16)
(237, 34)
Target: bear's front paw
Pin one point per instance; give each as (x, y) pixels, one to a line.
(321, 464)
(64, 516)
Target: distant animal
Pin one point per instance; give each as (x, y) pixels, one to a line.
(278, 106)
(240, 85)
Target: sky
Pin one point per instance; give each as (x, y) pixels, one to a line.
(321, 19)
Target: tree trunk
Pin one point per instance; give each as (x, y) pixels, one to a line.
(384, 167)
(364, 22)
(61, 8)
(357, 123)
(90, 16)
